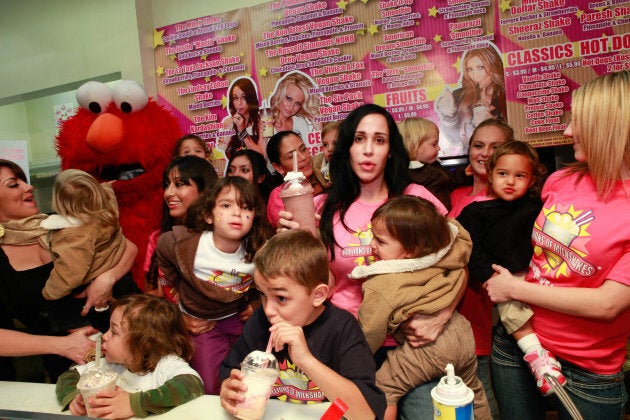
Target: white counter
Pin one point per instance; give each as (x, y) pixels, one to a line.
(35, 397)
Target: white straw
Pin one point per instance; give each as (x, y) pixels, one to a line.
(99, 339)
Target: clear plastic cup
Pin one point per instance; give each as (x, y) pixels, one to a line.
(95, 380)
(261, 371)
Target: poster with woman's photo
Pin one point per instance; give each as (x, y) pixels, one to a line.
(453, 63)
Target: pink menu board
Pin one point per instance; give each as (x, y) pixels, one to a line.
(303, 63)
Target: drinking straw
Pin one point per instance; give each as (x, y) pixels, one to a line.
(99, 339)
(269, 344)
(295, 167)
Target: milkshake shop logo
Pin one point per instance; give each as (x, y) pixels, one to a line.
(294, 386)
(361, 249)
(562, 235)
(235, 281)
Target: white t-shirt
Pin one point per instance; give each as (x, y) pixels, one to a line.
(226, 270)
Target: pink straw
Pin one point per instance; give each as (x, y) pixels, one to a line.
(269, 344)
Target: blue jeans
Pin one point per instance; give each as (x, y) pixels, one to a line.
(596, 396)
(417, 404)
(484, 375)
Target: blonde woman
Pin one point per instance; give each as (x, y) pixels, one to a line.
(293, 107)
(578, 282)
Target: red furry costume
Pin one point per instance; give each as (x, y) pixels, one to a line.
(120, 133)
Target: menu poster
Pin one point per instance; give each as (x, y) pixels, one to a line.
(196, 61)
(320, 46)
(455, 62)
(418, 62)
(552, 47)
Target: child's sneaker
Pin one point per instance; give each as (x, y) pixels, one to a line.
(541, 362)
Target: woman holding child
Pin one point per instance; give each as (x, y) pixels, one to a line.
(372, 160)
(26, 262)
(579, 276)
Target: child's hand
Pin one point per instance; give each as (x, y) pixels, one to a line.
(198, 326)
(77, 406)
(283, 333)
(112, 404)
(232, 390)
(246, 313)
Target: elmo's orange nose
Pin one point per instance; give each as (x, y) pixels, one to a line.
(105, 133)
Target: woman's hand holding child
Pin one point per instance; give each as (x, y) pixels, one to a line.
(501, 285)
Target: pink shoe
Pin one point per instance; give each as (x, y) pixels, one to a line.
(541, 362)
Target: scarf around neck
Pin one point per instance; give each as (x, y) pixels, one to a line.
(24, 231)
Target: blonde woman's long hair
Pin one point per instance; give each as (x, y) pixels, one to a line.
(78, 194)
(310, 107)
(601, 125)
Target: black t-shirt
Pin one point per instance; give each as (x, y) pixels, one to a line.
(334, 338)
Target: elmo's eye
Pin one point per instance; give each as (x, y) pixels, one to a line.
(129, 96)
(94, 96)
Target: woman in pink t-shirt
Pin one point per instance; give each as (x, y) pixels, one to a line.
(370, 161)
(578, 283)
(475, 306)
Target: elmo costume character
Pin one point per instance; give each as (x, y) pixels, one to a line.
(121, 134)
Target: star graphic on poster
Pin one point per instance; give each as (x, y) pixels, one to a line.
(224, 101)
(160, 71)
(241, 54)
(207, 79)
(579, 13)
(171, 42)
(203, 57)
(361, 31)
(433, 11)
(342, 4)
(437, 38)
(157, 37)
(263, 71)
(457, 64)
(364, 1)
(504, 5)
(172, 57)
(600, 9)
(220, 75)
(373, 29)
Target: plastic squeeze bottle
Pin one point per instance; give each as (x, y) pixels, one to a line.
(452, 399)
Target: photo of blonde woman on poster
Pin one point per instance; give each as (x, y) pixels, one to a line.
(481, 96)
(293, 107)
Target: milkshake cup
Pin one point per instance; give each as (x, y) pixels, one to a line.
(261, 371)
(297, 196)
(95, 380)
(452, 399)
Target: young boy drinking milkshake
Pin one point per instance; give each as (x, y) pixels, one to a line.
(320, 348)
